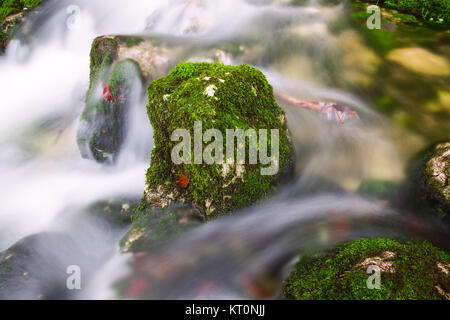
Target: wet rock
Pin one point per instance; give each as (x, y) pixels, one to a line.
(35, 267)
(434, 183)
(341, 273)
(155, 226)
(117, 211)
(221, 97)
(113, 85)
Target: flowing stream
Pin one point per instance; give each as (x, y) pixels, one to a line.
(45, 184)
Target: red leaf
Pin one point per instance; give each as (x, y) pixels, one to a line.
(183, 181)
(107, 94)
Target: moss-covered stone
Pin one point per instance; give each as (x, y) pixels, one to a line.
(154, 226)
(434, 178)
(408, 270)
(103, 121)
(221, 97)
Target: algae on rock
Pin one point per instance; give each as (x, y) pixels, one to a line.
(220, 97)
(342, 272)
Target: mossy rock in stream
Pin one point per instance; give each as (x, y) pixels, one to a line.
(112, 86)
(196, 97)
(409, 270)
(154, 226)
(430, 179)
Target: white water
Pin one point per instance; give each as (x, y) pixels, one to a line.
(44, 180)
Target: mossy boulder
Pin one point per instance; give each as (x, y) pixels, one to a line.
(112, 86)
(408, 269)
(155, 226)
(434, 175)
(218, 97)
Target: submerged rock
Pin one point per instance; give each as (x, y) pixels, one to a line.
(35, 267)
(201, 96)
(342, 273)
(155, 226)
(112, 86)
(116, 212)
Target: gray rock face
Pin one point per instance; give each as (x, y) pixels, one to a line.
(35, 267)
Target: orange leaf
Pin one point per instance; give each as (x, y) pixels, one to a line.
(107, 94)
(183, 181)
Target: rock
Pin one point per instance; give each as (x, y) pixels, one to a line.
(35, 267)
(154, 226)
(341, 273)
(421, 61)
(435, 178)
(117, 211)
(112, 86)
(220, 97)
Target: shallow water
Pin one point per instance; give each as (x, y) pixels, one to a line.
(46, 186)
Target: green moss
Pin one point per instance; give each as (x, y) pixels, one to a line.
(9, 7)
(243, 99)
(433, 12)
(132, 41)
(103, 54)
(336, 275)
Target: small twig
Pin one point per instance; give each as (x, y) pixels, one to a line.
(337, 113)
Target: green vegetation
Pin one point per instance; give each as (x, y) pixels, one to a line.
(434, 12)
(9, 7)
(242, 99)
(103, 54)
(341, 272)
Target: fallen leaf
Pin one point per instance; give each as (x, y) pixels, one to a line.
(183, 181)
(107, 94)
